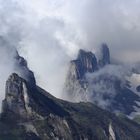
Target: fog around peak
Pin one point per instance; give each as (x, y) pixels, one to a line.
(50, 33)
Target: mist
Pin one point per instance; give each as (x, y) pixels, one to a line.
(102, 84)
(48, 34)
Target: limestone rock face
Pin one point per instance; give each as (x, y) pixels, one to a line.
(16, 98)
(75, 82)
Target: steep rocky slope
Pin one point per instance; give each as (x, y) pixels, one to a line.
(30, 113)
(97, 80)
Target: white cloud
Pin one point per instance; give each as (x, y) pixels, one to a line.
(49, 33)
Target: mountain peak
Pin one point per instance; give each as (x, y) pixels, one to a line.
(36, 115)
(16, 98)
(82, 53)
(85, 62)
(105, 55)
(21, 67)
(13, 77)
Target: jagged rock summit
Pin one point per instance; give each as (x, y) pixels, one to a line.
(54, 119)
(104, 55)
(31, 113)
(91, 79)
(16, 98)
(86, 62)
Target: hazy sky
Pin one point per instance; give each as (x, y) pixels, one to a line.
(48, 33)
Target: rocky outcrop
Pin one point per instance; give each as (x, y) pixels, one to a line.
(16, 97)
(55, 119)
(104, 56)
(86, 62)
(93, 81)
(30, 113)
(76, 84)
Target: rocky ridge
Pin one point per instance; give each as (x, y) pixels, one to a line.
(34, 114)
(105, 89)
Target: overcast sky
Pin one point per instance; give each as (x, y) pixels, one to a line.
(48, 33)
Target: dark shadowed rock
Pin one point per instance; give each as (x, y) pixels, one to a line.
(88, 61)
(85, 62)
(105, 55)
(16, 97)
(55, 119)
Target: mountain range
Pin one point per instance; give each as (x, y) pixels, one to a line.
(31, 113)
(102, 82)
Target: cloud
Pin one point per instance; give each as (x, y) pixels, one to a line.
(6, 64)
(102, 84)
(49, 33)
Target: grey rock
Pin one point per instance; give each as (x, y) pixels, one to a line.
(59, 119)
(86, 62)
(16, 98)
(104, 56)
(105, 90)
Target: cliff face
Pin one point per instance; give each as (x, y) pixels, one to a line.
(92, 80)
(86, 62)
(76, 84)
(34, 114)
(16, 97)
